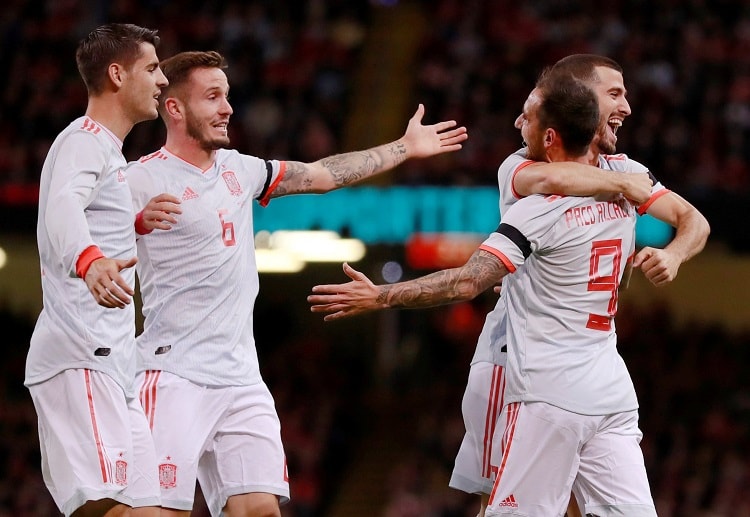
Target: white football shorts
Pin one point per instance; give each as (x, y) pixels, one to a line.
(228, 438)
(482, 405)
(95, 442)
(540, 462)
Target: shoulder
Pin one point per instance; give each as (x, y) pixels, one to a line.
(145, 165)
(513, 161)
(620, 162)
(238, 161)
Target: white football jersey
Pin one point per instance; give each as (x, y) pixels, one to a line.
(84, 200)
(199, 280)
(567, 256)
(491, 343)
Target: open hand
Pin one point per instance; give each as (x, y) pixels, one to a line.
(344, 300)
(423, 141)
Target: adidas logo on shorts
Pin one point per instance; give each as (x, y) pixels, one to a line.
(509, 501)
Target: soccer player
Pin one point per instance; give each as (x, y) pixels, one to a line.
(519, 176)
(211, 414)
(569, 391)
(97, 452)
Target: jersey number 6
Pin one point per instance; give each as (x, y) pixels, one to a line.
(227, 229)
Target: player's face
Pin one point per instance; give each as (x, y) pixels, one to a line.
(142, 85)
(207, 110)
(613, 106)
(531, 131)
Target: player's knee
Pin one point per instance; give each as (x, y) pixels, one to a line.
(253, 505)
(108, 507)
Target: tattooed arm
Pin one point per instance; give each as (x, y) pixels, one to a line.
(341, 170)
(481, 271)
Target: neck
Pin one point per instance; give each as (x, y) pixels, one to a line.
(559, 155)
(592, 158)
(109, 115)
(189, 150)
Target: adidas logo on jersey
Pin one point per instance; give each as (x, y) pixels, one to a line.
(189, 194)
(509, 501)
(90, 126)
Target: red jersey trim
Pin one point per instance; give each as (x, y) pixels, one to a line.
(267, 198)
(506, 262)
(85, 259)
(513, 178)
(645, 206)
(148, 395)
(104, 464)
(512, 410)
(140, 227)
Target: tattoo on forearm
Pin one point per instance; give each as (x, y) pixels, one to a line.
(383, 295)
(397, 151)
(352, 167)
(344, 169)
(450, 285)
(296, 179)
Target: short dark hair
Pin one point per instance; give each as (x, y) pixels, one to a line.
(570, 107)
(178, 67)
(583, 66)
(107, 44)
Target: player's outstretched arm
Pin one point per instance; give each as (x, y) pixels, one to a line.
(333, 172)
(660, 266)
(482, 271)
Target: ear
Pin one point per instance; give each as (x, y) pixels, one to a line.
(550, 137)
(173, 107)
(116, 73)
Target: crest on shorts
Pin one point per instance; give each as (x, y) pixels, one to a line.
(167, 475)
(232, 184)
(121, 472)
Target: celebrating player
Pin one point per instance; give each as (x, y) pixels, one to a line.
(97, 452)
(555, 386)
(519, 176)
(212, 415)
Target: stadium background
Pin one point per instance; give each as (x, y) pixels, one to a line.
(370, 408)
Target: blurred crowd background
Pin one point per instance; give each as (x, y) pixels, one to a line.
(370, 409)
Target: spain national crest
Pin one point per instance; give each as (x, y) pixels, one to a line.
(121, 472)
(232, 184)
(168, 475)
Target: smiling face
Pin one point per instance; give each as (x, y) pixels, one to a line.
(142, 85)
(613, 107)
(206, 108)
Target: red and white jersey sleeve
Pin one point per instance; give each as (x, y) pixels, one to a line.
(621, 163)
(567, 256)
(199, 280)
(506, 174)
(84, 201)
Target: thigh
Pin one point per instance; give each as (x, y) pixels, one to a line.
(143, 482)
(246, 454)
(612, 476)
(85, 438)
(539, 460)
(182, 417)
(481, 407)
